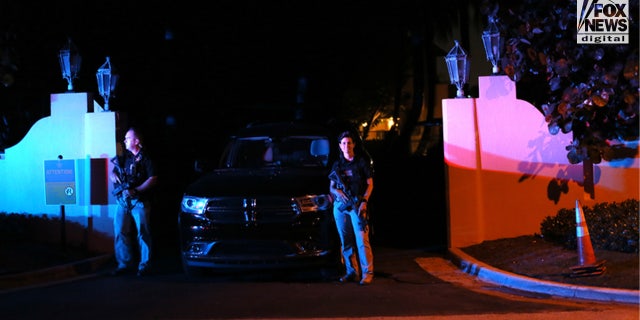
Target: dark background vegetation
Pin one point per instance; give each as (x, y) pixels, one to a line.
(199, 70)
(203, 69)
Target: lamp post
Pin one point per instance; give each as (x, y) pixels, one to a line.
(458, 65)
(70, 61)
(106, 82)
(492, 44)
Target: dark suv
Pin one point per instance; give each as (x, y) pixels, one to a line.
(267, 205)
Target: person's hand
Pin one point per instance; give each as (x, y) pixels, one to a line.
(114, 178)
(130, 193)
(362, 211)
(343, 197)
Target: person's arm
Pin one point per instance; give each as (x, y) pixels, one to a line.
(366, 195)
(114, 176)
(367, 192)
(338, 193)
(147, 184)
(151, 181)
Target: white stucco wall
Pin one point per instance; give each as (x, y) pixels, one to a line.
(506, 172)
(73, 132)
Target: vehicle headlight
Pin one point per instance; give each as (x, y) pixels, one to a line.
(313, 203)
(193, 204)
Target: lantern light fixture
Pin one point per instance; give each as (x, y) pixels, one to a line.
(458, 65)
(106, 82)
(70, 61)
(493, 44)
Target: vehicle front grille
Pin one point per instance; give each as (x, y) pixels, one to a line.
(258, 253)
(243, 210)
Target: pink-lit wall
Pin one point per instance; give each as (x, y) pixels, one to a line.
(506, 172)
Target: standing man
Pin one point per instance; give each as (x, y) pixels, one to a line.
(134, 177)
(351, 185)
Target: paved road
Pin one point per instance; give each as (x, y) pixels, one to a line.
(410, 284)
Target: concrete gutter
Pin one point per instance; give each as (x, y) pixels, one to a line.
(487, 273)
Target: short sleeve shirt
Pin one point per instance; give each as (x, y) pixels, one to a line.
(137, 168)
(354, 174)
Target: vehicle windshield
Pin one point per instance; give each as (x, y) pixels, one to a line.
(293, 151)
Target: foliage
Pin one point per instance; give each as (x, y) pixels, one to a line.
(16, 227)
(612, 226)
(591, 89)
(20, 228)
(8, 59)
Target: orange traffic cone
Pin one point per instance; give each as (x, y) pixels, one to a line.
(588, 265)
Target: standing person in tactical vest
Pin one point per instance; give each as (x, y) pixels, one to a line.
(134, 178)
(351, 184)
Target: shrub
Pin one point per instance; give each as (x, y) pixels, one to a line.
(612, 226)
(16, 227)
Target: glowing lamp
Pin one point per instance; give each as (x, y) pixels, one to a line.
(492, 44)
(106, 82)
(70, 61)
(458, 65)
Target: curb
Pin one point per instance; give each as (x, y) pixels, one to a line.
(75, 270)
(487, 273)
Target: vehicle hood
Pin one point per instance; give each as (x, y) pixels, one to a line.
(261, 182)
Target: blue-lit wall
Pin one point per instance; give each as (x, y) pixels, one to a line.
(77, 131)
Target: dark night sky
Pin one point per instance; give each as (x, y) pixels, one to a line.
(222, 54)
